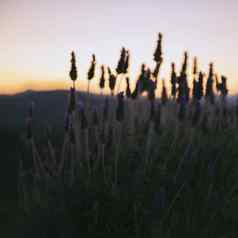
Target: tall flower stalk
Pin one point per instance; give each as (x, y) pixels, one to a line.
(200, 82)
(183, 89)
(164, 94)
(122, 66)
(195, 91)
(73, 71)
(102, 79)
(222, 86)
(209, 86)
(91, 71)
(158, 58)
(112, 81)
(128, 89)
(173, 81)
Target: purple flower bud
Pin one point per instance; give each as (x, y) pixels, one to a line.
(73, 71)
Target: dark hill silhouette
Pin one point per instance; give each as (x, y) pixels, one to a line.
(50, 107)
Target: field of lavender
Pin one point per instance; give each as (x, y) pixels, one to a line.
(132, 165)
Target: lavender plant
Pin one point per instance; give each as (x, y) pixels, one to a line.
(91, 71)
(209, 86)
(135, 168)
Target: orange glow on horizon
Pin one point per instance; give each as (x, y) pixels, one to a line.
(38, 37)
(11, 87)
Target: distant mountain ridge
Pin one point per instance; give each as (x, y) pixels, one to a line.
(50, 107)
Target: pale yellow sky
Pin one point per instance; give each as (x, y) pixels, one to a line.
(38, 37)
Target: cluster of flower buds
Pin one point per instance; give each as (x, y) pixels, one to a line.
(195, 90)
(123, 63)
(91, 71)
(158, 51)
(140, 82)
(183, 89)
(147, 81)
(173, 81)
(198, 88)
(185, 64)
(145, 84)
(209, 86)
(196, 83)
(156, 71)
(195, 66)
(112, 81)
(73, 71)
(102, 78)
(158, 58)
(222, 86)
(200, 81)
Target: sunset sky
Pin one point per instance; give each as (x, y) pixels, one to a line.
(37, 37)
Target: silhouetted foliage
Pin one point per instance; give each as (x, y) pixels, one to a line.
(123, 62)
(173, 81)
(135, 168)
(102, 78)
(183, 89)
(156, 70)
(128, 89)
(200, 81)
(112, 81)
(145, 84)
(158, 52)
(164, 94)
(209, 86)
(72, 100)
(120, 107)
(222, 86)
(91, 71)
(73, 71)
(195, 66)
(127, 61)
